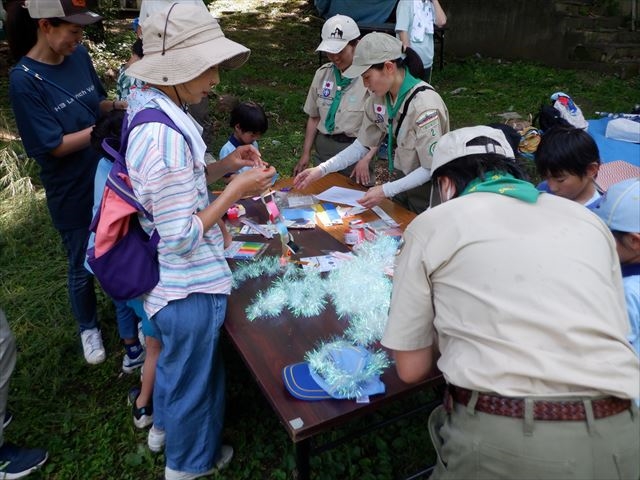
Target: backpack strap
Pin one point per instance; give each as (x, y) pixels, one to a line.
(148, 115)
(421, 88)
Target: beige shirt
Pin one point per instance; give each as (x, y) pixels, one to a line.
(526, 299)
(426, 121)
(320, 97)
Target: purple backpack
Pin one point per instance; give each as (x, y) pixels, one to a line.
(124, 258)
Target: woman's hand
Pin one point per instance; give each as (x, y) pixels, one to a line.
(373, 197)
(307, 177)
(243, 156)
(253, 181)
(360, 172)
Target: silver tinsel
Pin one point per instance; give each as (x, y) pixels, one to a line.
(345, 383)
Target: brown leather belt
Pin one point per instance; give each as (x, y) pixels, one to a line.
(340, 138)
(542, 409)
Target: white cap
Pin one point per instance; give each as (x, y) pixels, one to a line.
(337, 32)
(453, 145)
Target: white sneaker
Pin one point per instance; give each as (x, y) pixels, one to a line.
(155, 439)
(92, 346)
(226, 454)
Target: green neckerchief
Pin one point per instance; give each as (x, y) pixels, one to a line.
(407, 84)
(504, 184)
(341, 84)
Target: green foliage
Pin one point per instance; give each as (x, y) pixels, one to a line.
(78, 412)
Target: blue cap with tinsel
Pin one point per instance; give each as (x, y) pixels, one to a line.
(336, 370)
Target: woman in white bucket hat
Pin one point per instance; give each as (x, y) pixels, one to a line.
(184, 51)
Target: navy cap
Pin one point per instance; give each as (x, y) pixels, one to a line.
(351, 361)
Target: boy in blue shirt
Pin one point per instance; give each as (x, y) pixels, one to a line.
(568, 159)
(620, 210)
(249, 123)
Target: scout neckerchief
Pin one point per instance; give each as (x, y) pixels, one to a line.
(407, 84)
(341, 84)
(504, 184)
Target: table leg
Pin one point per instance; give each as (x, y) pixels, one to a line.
(303, 452)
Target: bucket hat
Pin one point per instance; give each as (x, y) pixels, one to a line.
(619, 207)
(180, 43)
(72, 11)
(337, 32)
(454, 145)
(372, 49)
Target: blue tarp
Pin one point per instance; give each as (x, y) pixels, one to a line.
(610, 149)
(362, 11)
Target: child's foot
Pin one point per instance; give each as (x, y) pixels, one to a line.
(156, 439)
(142, 416)
(92, 346)
(17, 462)
(133, 358)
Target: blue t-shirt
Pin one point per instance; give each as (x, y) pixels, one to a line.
(231, 145)
(592, 204)
(44, 113)
(631, 282)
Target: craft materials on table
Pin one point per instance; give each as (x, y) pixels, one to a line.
(275, 217)
(299, 217)
(324, 263)
(263, 230)
(240, 250)
(345, 196)
(327, 214)
(385, 216)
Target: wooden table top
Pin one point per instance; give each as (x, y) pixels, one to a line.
(268, 345)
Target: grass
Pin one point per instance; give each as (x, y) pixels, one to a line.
(78, 412)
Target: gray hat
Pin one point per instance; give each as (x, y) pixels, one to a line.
(372, 49)
(180, 43)
(72, 11)
(337, 32)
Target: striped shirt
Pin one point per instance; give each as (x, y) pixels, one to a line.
(171, 185)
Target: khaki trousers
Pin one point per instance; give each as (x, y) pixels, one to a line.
(474, 445)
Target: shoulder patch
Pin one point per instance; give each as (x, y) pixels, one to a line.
(426, 117)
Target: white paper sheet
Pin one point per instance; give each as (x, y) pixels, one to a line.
(346, 196)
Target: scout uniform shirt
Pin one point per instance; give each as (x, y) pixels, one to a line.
(521, 304)
(321, 94)
(426, 121)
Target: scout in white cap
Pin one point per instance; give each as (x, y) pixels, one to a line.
(619, 208)
(517, 295)
(335, 103)
(183, 52)
(401, 110)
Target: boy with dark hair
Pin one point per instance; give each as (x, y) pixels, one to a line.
(249, 123)
(568, 159)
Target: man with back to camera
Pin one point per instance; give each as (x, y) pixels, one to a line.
(521, 293)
